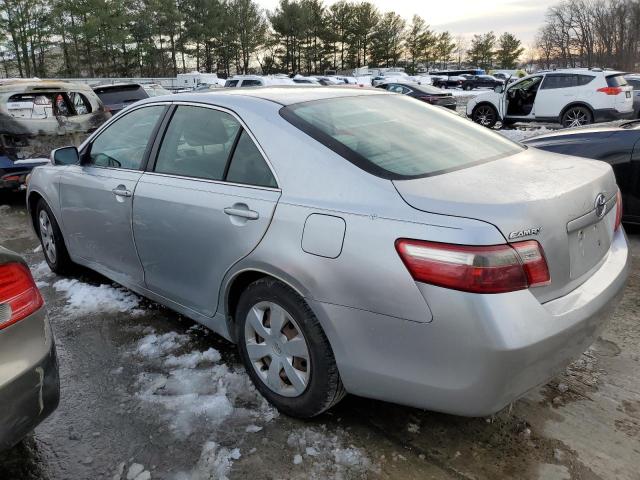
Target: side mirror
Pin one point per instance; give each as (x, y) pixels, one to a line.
(65, 156)
(499, 89)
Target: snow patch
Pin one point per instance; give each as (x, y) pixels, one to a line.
(214, 464)
(85, 299)
(41, 271)
(325, 455)
(519, 135)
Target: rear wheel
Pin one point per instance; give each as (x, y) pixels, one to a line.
(485, 115)
(55, 251)
(467, 87)
(285, 351)
(576, 116)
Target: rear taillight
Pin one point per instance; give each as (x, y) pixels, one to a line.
(476, 269)
(610, 90)
(19, 295)
(618, 211)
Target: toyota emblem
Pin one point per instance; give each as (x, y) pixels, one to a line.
(601, 205)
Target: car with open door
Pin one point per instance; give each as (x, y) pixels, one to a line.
(348, 240)
(571, 97)
(617, 143)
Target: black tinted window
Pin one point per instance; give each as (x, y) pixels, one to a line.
(584, 79)
(251, 83)
(248, 166)
(125, 94)
(123, 143)
(197, 143)
(616, 81)
(559, 81)
(231, 83)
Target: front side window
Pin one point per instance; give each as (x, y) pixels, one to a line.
(248, 166)
(80, 103)
(395, 137)
(231, 83)
(123, 144)
(197, 143)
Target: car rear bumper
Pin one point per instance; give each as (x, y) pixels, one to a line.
(29, 381)
(480, 352)
(610, 114)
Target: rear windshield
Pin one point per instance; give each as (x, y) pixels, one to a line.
(125, 94)
(616, 81)
(397, 137)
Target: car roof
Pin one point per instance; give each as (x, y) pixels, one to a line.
(30, 85)
(283, 95)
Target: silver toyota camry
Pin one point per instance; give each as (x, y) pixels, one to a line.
(349, 241)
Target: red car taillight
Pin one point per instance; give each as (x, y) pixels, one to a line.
(476, 269)
(19, 296)
(610, 90)
(618, 211)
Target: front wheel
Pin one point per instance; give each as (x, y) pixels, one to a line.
(285, 351)
(485, 115)
(55, 251)
(576, 117)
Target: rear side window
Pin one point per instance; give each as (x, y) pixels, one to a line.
(80, 103)
(584, 79)
(251, 83)
(395, 137)
(616, 81)
(197, 143)
(559, 81)
(248, 166)
(231, 83)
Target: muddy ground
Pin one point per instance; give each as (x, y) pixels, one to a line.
(126, 411)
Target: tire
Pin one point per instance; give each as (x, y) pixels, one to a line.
(576, 117)
(53, 247)
(485, 115)
(317, 385)
(467, 87)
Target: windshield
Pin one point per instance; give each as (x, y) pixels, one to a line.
(397, 137)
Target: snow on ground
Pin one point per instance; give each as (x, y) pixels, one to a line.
(519, 135)
(192, 388)
(41, 271)
(323, 455)
(456, 92)
(214, 464)
(84, 299)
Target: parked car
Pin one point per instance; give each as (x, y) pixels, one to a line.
(453, 81)
(239, 81)
(323, 230)
(472, 82)
(572, 97)
(29, 383)
(155, 90)
(426, 93)
(618, 145)
(13, 172)
(387, 77)
(118, 96)
(37, 114)
(634, 81)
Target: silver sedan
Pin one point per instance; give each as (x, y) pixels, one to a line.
(347, 240)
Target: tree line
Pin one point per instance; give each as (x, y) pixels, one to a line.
(590, 33)
(123, 38)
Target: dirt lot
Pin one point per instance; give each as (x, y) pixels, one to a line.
(150, 394)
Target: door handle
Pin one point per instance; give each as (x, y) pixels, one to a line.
(121, 192)
(242, 212)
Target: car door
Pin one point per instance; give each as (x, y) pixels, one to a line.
(527, 87)
(205, 205)
(555, 93)
(96, 196)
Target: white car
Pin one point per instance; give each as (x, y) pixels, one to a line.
(571, 97)
(257, 81)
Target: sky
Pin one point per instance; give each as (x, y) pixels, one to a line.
(467, 17)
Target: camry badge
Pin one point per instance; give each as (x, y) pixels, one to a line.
(525, 233)
(601, 205)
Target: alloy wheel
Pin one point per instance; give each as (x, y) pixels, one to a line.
(576, 117)
(485, 116)
(46, 235)
(277, 349)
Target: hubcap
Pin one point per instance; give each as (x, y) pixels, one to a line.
(484, 116)
(46, 236)
(277, 349)
(575, 118)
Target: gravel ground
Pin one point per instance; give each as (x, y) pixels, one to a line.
(148, 394)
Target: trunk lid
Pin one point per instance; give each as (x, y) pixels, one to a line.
(534, 195)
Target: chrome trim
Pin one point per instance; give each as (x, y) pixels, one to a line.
(208, 180)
